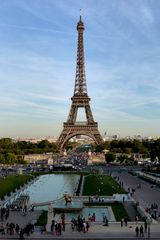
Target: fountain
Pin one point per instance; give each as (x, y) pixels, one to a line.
(68, 203)
(68, 198)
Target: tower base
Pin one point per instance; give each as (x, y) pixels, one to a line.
(71, 130)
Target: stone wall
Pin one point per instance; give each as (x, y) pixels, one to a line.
(37, 157)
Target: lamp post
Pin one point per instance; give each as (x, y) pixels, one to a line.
(149, 220)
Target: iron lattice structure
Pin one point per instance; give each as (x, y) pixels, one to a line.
(80, 99)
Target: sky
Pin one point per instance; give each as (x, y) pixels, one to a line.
(38, 47)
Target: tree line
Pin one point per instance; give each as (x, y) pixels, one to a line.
(12, 152)
(146, 148)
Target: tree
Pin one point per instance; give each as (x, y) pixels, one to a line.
(44, 144)
(110, 157)
(128, 150)
(114, 144)
(154, 149)
(10, 158)
(121, 158)
(99, 148)
(6, 145)
(136, 146)
(107, 145)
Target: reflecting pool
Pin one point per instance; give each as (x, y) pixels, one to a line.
(88, 212)
(51, 187)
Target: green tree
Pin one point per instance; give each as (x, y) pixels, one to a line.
(99, 148)
(6, 145)
(10, 158)
(156, 150)
(136, 146)
(43, 144)
(107, 145)
(110, 157)
(128, 150)
(121, 158)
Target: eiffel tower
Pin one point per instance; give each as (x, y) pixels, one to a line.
(80, 99)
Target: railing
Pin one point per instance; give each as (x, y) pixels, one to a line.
(80, 123)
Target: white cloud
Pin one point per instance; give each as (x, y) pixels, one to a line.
(38, 54)
(147, 15)
(34, 29)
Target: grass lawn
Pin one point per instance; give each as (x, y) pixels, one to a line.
(117, 208)
(96, 185)
(42, 220)
(10, 183)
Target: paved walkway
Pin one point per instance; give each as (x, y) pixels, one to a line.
(21, 219)
(146, 195)
(96, 231)
(131, 210)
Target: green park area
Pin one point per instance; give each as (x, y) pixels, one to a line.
(42, 220)
(11, 183)
(105, 185)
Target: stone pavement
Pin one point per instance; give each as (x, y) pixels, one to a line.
(131, 210)
(146, 195)
(96, 231)
(21, 219)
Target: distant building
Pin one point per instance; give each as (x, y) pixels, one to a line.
(33, 158)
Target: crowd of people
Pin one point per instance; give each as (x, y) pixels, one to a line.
(4, 213)
(80, 224)
(12, 229)
(153, 211)
(77, 224)
(139, 231)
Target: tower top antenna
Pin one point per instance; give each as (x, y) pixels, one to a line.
(80, 12)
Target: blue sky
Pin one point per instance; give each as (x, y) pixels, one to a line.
(38, 40)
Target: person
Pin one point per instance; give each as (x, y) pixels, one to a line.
(53, 226)
(7, 213)
(136, 218)
(27, 229)
(72, 224)
(63, 225)
(32, 209)
(2, 229)
(17, 228)
(11, 227)
(43, 229)
(93, 217)
(59, 229)
(21, 234)
(87, 225)
(141, 231)
(56, 228)
(126, 221)
(106, 222)
(84, 227)
(7, 227)
(137, 231)
(122, 222)
(145, 226)
(25, 208)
